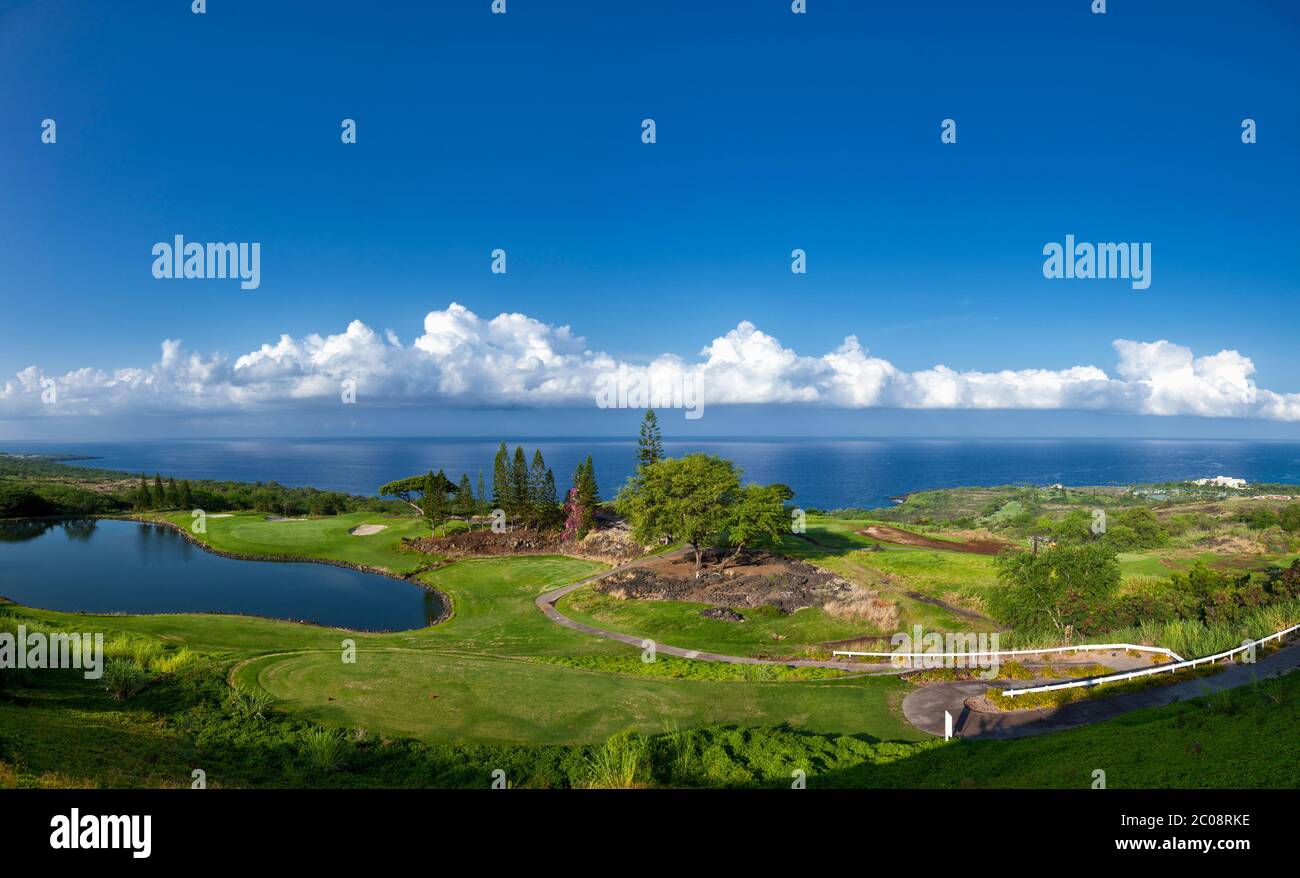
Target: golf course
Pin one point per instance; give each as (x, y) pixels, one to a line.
(652, 664)
(498, 672)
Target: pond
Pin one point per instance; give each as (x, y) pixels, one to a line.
(106, 566)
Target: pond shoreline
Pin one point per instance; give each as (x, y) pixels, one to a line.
(284, 559)
(446, 613)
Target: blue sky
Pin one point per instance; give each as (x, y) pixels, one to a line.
(775, 131)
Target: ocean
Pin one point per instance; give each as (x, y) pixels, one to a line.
(824, 473)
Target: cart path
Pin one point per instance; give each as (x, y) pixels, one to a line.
(925, 707)
(546, 603)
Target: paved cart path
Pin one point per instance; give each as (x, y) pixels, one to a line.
(925, 707)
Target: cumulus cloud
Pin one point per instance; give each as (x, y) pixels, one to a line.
(461, 359)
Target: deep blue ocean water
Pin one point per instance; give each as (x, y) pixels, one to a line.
(825, 474)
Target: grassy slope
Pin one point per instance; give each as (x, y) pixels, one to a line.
(70, 734)
(478, 663)
(1239, 740)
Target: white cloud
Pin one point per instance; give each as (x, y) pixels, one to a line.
(515, 360)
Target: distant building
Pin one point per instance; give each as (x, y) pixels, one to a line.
(1222, 482)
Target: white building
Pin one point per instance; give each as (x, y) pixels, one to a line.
(1222, 482)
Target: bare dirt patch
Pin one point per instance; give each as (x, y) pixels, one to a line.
(759, 579)
(613, 545)
(1232, 545)
(900, 537)
(365, 530)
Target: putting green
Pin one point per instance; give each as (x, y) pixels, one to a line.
(457, 698)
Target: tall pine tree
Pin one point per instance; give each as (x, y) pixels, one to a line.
(430, 489)
(537, 489)
(650, 446)
(465, 499)
(521, 500)
(501, 479)
(550, 502)
(159, 495)
(588, 494)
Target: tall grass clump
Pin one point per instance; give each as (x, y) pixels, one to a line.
(1190, 638)
(250, 703)
(148, 655)
(678, 753)
(172, 662)
(326, 749)
(622, 763)
(122, 678)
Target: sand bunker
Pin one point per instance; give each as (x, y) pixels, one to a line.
(365, 530)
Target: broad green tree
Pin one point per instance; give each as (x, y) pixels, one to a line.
(409, 490)
(690, 498)
(1048, 590)
(759, 513)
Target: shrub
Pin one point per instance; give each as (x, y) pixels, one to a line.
(622, 763)
(1289, 518)
(250, 703)
(122, 678)
(326, 749)
(18, 501)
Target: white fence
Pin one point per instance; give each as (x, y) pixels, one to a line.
(1156, 669)
(1099, 647)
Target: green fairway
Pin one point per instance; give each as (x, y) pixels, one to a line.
(331, 539)
(1143, 564)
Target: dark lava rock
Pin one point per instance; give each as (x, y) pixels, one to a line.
(726, 614)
